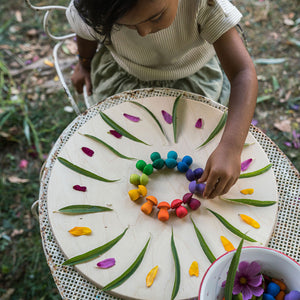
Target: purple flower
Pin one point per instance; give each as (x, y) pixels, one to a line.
(248, 280)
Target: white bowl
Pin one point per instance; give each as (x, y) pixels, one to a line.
(273, 263)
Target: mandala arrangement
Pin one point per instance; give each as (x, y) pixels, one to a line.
(148, 203)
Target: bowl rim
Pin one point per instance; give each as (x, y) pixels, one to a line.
(246, 247)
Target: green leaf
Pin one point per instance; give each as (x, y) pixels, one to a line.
(230, 227)
(174, 117)
(120, 129)
(251, 202)
(82, 209)
(123, 277)
(264, 98)
(93, 253)
(203, 244)
(177, 268)
(216, 130)
(275, 83)
(232, 272)
(151, 114)
(108, 146)
(257, 172)
(270, 61)
(83, 171)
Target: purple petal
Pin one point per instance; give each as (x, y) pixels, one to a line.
(257, 291)
(115, 134)
(106, 263)
(296, 145)
(168, 118)
(246, 291)
(199, 123)
(253, 268)
(254, 122)
(294, 133)
(255, 281)
(289, 144)
(79, 188)
(131, 118)
(245, 164)
(88, 151)
(243, 266)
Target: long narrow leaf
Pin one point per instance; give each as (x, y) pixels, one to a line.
(123, 277)
(108, 146)
(82, 209)
(203, 244)
(251, 202)
(120, 129)
(232, 272)
(151, 114)
(83, 171)
(257, 172)
(230, 227)
(216, 130)
(174, 117)
(93, 253)
(177, 268)
(269, 61)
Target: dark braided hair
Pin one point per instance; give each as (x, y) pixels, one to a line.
(102, 15)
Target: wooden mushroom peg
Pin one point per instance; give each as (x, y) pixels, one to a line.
(163, 214)
(148, 206)
(180, 211)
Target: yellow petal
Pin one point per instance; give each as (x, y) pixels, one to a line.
(226, 244)
(247, 191)
(194, 269)
(142, 190)
(250, 221)
(151, 276)
(80, 231)
(134, 195)
(49, 63)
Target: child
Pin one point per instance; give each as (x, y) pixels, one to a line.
(170, 43)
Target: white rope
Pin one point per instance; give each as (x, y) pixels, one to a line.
(61, 78)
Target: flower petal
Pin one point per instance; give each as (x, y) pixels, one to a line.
(131, 118)
(79, 188)
(115, 133)
(255, 281)
(168, 118)
(257, 291)
(87, 151)
(246, 291)
(199, 123)
(243, 266)
(106, 263)
(245, 164)
(77, 231)
(253, 268)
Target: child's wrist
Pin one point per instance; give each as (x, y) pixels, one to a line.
(85, 62)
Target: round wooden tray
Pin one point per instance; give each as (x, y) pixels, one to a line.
(166, 185)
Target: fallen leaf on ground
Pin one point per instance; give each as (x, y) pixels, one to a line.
(284, 125)
(15, 179)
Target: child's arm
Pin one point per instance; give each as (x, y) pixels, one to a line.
(224, 164)
(82, 71)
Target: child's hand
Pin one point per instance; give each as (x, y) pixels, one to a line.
(81, 77)
(221, 171)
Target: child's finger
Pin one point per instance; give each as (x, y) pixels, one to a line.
(204, 176)
(211, 184)
(89, 88)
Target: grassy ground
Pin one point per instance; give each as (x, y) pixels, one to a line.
(32, 116)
